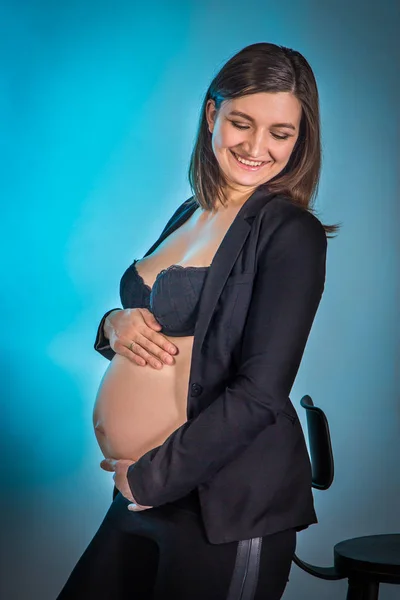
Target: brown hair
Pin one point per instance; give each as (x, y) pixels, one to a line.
(264, 67)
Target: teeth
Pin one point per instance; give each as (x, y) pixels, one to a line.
(248, 162)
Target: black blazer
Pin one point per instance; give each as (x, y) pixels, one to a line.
(242, 446)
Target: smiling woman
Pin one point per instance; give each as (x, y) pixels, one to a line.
(211, 445)
(127, 425)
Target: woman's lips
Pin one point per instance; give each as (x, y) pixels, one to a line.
(247, 167)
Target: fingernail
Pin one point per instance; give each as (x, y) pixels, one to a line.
(132, 507)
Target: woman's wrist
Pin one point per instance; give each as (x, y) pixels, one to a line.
(107, 324)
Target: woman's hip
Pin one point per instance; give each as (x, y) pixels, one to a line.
(189, 566)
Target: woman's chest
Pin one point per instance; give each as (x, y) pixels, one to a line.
(193, 244)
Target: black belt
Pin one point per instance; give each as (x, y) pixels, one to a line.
(245, 574)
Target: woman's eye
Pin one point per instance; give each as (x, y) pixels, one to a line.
(277, 137)
(239, 126)
(280, 137)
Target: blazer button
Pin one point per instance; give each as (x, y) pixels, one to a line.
(196, 389)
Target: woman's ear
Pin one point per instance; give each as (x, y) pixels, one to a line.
(211, 114)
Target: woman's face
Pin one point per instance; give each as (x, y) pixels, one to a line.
(265, 132)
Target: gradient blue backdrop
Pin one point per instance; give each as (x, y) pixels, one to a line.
(99, 104)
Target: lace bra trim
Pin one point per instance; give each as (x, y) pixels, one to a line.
(170, 268)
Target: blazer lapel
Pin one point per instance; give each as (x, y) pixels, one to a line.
(224, 260)
(218, 273)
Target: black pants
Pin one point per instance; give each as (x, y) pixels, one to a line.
(162, 553)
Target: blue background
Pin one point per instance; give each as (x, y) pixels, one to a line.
(99, 105)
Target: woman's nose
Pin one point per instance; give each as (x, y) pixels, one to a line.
(258, 147)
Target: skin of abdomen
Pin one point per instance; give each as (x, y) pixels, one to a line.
(137, 408)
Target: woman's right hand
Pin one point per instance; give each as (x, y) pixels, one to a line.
(132, 332)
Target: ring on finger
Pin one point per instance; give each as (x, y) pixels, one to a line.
(130, 346)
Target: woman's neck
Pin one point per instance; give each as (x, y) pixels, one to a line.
(234, 198)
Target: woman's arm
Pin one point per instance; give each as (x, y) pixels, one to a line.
(101, 343)
(285, 298)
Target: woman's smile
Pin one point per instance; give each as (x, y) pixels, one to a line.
(253, 166)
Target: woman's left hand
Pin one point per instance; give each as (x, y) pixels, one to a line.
(120, 468)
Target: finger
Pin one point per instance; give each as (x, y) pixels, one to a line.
(157, 346)
(150, 319)
(136, 348)
(123, 350)
(137, 507)
(161, 342)
(108, 464)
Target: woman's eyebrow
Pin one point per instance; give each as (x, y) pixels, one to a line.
(237, 113)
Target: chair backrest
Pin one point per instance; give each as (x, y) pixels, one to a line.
(319, 440)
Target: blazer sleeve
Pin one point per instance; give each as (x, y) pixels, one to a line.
(101, 343)
(287, 290)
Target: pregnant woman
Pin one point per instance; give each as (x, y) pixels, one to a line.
(168, 283)
(193, 414)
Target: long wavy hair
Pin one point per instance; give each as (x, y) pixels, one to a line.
(264, 67)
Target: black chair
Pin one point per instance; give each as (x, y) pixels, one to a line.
(365, 561)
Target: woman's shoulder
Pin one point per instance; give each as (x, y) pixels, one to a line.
(284, 213)
(289, 229)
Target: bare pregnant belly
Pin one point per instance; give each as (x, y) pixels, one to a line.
(137, 408)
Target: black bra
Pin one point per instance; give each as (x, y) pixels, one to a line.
(173, 299)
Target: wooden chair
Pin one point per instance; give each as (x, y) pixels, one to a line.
(365, 561)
